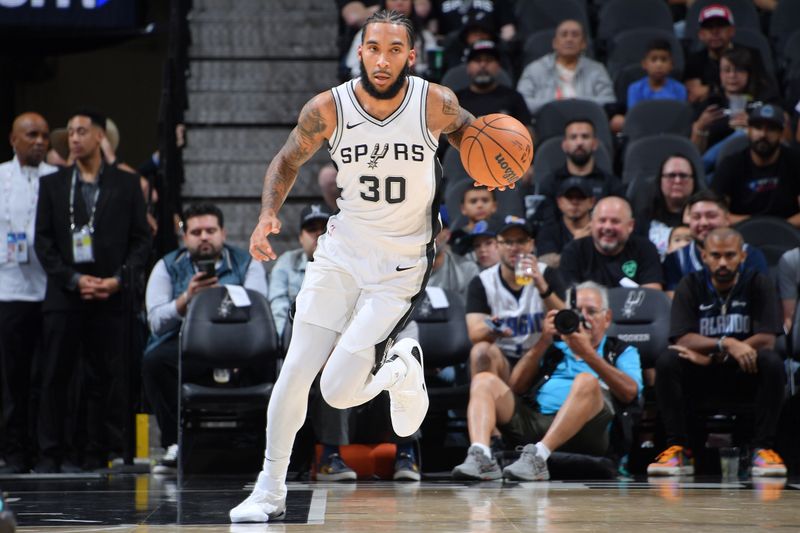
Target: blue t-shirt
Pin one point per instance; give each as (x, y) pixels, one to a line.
(640, 91)
(553, 393)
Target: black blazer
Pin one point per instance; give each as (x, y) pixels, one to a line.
(121, 234)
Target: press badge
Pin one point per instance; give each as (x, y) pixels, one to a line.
(82, 246)
(21, 248)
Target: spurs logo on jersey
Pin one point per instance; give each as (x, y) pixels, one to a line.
(523, 316)
(388, 171)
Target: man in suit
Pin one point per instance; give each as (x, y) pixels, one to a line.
(90, 222)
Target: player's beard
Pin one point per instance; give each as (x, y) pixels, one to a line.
(391, 91)
(579, 157)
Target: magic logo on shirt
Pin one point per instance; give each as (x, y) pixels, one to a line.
(523, 324)
(763, 184)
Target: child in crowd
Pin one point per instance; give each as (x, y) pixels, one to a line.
(477, 203)
(679, 237)
(657, 85)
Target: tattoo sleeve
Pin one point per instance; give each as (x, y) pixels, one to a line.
(456, 130)
(304, 140)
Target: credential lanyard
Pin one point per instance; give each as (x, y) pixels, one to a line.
(72, 188)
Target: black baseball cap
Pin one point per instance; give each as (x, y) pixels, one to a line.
(483, 47)
(313, 212)
(575, 182)
(767, 113)
(512, 221)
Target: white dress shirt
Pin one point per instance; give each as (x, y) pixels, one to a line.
(19, 193)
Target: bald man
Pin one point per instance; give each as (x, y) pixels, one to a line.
(22, 281)
(723, 325)
(612, 255)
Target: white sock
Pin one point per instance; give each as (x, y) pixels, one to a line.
(484, 448)
(273, 477)
(542, 451)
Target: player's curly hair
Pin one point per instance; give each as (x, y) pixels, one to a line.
(390, 17)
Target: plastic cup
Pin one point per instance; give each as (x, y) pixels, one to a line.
(523, 269)
(729, 463)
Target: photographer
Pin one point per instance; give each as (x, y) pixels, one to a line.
(205, 262)
(559, 395)
(723, 322)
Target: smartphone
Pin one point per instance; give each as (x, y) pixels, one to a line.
(495, 326)
(207, 267)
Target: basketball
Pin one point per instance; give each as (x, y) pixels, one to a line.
(496, 150)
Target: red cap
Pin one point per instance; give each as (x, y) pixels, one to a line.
(716, 11)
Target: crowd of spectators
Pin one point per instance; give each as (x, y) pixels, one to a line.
(72, 227)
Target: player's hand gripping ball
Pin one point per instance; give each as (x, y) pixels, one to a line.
(496, 150)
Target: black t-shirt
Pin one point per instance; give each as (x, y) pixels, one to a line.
(638, 261)
(752, 307)
(753, 190)
(452, 14)
(553, 237)
(603, 184)
(501, 100)
(699, 65)
(477, 301)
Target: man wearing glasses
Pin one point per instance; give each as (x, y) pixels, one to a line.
(505, 313)
(560, 395)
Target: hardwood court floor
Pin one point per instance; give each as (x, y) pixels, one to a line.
(148, 504)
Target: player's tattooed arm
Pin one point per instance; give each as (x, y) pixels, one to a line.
(455, 118)
(313, 127)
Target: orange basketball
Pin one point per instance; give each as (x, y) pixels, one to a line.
(496, 150)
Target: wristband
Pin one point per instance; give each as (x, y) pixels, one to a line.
(546, 293)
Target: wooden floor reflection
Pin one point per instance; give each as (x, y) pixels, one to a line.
(149, 504)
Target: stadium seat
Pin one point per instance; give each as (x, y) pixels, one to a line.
(731, 147)
(619, 15)
(784, 22)
(456, 78)
(757, 41)
(630, 46)
(222, 425)
(535, 15)
(653, 117)
(643, 156)
(553, 116)
(538, 44)
(773, 235)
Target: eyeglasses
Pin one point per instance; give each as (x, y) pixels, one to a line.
(513, 242)
(591, 311)
(677, 176)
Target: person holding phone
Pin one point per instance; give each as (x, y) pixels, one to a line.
(206, 261)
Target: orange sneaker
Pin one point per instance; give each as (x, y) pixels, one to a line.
(767, 463)
(674, 461)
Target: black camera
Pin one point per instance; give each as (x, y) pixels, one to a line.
(569, 320)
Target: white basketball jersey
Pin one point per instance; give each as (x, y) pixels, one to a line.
(388, 172)
(524, 316)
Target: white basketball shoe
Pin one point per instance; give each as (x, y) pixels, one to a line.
(409, 397)
(261, 505)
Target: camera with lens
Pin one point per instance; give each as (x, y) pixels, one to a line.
(569, 320)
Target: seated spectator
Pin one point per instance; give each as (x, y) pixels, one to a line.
(580, 145)
(326, 179)
(504, 316)
(789, 284)
(477, 204)
(723, 116)
(657, 85)
(679, 237)
(716, 31)
(575, 202)
(723, 326)
(561, 395)
(454, 15)
(424, 40)
(483, 241)
(484, 94)
(174, 281)
(22, 288)
(671, 190)
(707, 211)
(449, 270)
(566, 73)
(612, 256)
(762, 179)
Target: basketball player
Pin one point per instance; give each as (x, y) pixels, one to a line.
(381, 130)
